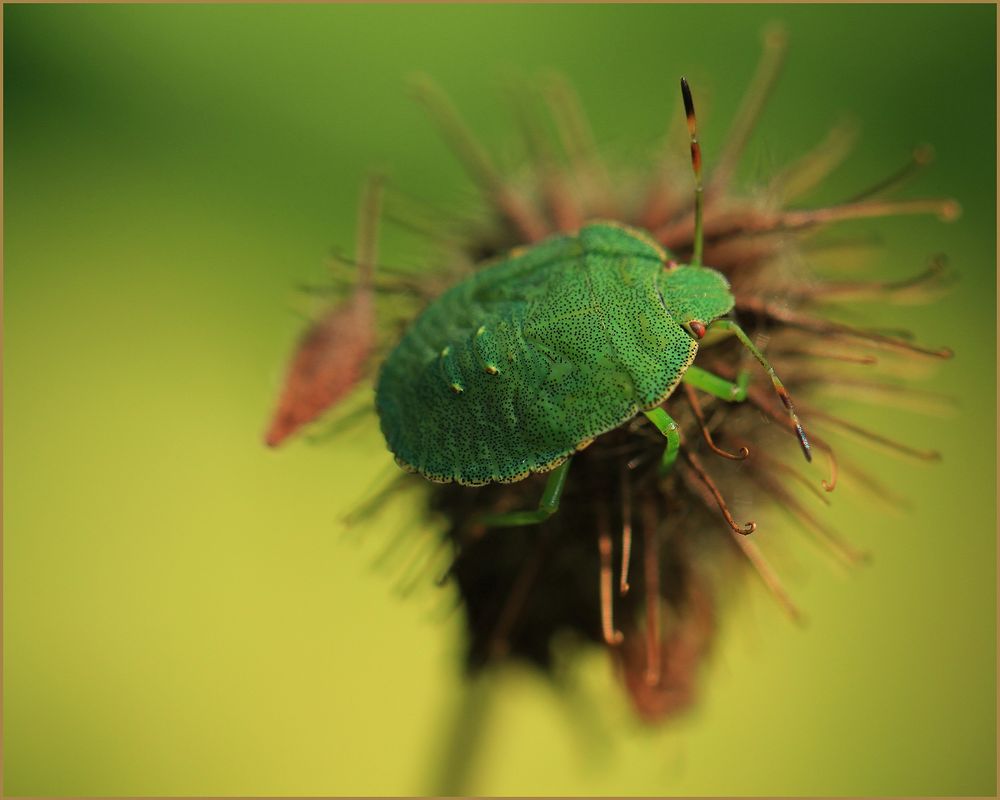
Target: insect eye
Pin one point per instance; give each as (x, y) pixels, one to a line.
(697, 328)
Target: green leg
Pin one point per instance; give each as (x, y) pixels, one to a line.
(547, 506)
(732, 327)
(716, 386)
(661, 419)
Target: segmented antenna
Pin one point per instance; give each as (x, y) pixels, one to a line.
(692, 124)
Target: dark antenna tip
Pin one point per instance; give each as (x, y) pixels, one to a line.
(692, 126)
(688, 102)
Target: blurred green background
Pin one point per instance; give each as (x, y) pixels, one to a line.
(182, 613)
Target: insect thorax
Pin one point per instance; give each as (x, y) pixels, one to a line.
(695, 293)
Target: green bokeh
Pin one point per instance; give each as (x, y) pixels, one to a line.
(181, 611)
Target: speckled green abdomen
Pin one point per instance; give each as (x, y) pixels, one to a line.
(528, 360)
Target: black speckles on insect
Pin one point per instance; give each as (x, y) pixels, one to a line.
(512, 370)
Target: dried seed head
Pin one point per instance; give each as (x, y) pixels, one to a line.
(527, 590)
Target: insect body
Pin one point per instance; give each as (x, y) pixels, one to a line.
(527, 361)
(514, 369)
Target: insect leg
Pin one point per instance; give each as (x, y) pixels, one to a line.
(717, 386)
(547, 506)
(779, 387)
(661, 419)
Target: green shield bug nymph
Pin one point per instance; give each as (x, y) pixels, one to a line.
(519, 366)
